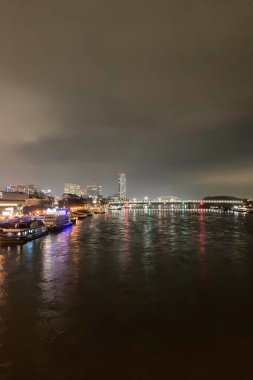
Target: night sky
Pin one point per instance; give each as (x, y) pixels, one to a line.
(161, 90)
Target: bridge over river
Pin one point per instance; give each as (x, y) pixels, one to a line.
(170, 200)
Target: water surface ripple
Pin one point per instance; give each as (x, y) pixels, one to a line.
(137, 294)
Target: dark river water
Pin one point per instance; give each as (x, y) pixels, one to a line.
(131, 295)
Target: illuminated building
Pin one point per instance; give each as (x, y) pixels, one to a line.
(72, 188)
(11, 203)
(32, 189)
(83, 191)
(27, 189)
(122, 186)
(94, 191)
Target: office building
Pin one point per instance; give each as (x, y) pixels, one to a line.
(72, 188)
(94, 191)
(83, 191)
(122, 186)
(21, 188)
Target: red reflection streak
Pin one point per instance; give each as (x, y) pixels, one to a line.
(127, 230)
(202, 233)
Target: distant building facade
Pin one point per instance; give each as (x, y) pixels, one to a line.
(72, 188)
(72, 201)
(122, 186)
(94, 192)
(83, 191)
(90, 191)
(113, 198)
(21, 188)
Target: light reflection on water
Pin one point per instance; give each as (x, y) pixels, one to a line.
(59, 275)
(2, 280)
(137, 281)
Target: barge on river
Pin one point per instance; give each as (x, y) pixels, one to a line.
(22, 232)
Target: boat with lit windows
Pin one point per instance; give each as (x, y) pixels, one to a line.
(78, 215)
(98, 210)
(22, 232)
(81, 214)
(242, 209)
(57, 219)
(115, 208)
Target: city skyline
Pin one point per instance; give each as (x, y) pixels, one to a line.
(120, 187)
(159, 90)
(126, 189)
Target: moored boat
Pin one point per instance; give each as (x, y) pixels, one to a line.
(97, 210)
(115, 208)
(57, 219)
(22, 232)
(78, 215)
(242, 209)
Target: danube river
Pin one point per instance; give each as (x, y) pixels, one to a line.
(131, 295)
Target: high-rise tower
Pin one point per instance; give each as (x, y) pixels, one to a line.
(122, 186)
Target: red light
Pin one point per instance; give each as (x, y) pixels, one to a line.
(202, 203)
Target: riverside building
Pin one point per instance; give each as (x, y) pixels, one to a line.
(12, 203)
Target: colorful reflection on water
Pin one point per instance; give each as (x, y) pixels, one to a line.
(130, 294)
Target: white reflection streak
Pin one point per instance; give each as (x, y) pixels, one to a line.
(3, 294)
(59, 270)
(202, 247)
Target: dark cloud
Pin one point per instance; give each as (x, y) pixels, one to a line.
(159, 89)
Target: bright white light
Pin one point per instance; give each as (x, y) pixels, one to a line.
(6, 213)
(134, 199)
(51, 210)
(145, 198)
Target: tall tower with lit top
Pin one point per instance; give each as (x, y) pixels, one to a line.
(122, 186)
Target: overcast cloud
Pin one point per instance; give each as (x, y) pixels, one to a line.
(162, 90)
